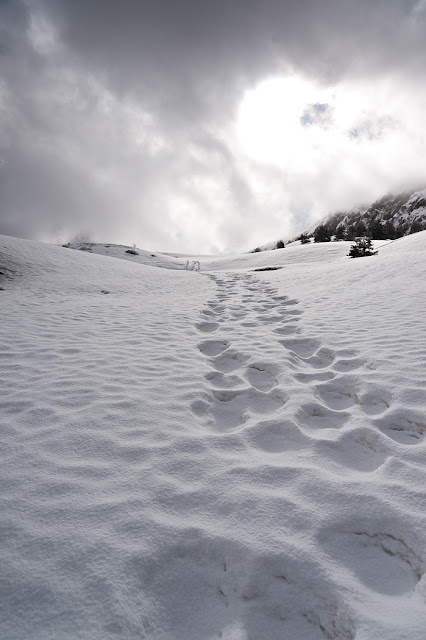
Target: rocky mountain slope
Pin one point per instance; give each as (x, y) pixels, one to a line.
(390, 217)
(393, 216)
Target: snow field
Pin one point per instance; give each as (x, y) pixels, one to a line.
(223, 454)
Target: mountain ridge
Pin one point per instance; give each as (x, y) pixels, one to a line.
(391, 216)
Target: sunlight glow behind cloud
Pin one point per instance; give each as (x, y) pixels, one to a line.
(269, 125)
(350, 133)
(288, 121)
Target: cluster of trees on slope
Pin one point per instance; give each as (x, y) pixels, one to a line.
(389, 218)
(279, 245)
(373, 228)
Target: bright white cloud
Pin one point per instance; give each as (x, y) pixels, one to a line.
(296, 124)
(335, 141)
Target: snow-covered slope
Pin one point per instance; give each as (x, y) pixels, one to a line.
(393, 216)
(132, 254)
(216, 454)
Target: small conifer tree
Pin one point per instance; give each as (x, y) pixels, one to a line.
(340, 232)
(322, 234)
(362, 247)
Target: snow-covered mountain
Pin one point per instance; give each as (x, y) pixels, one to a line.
(390, 217)
(208, 451)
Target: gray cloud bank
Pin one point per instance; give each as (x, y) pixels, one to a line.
(118, 120)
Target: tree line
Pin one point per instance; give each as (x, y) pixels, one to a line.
(374, 229)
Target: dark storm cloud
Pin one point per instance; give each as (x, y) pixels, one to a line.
(181, 55)
(113, 115)
(242, 33)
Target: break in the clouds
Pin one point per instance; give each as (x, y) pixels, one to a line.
(191, 126)
(317, 114)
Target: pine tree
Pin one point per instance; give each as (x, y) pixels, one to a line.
(359, 229)
(322, 233)
(340, 232)
(376, 230)
(362, 247)
(304, 238)
(389, 232)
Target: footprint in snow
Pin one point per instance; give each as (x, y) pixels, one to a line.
(306, 351)
(290, 312)
(402, 426)
(303, 347)
(222, 381)
(267, 319)
(207, 327)
(338, 396)
(348, 364)
(261, 376)
(229, 361)
(286, 330)
(317, 416)
(285, 301)
(308, 378)
(385, 563)
(233, 408)
(374, 403)
(322, 359)
(213, 347)
(217, 308)
(276, 436)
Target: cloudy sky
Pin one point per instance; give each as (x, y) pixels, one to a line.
(182, 125)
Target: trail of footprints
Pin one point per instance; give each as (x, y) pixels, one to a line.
(252, 398)
(244, 389)
(240, 387)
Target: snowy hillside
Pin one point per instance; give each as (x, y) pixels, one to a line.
(391, 217)
(223, 453)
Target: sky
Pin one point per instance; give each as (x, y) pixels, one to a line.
(205, 126)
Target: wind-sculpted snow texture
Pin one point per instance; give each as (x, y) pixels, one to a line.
(216, 454)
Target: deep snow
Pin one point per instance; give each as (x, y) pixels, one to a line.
(217, 454)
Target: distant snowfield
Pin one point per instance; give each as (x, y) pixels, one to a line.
(217, 454)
